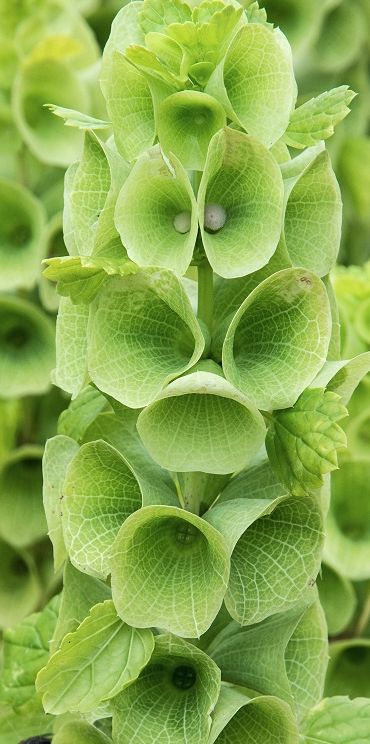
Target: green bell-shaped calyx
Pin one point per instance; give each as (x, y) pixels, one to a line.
(58, 453)
(159, 337)
(275, 542)
(261, 104)
(156, 213)
(338, 599)
(80, 732)
(286, 655)
(348, 670)
(335, 716)
(260, 358)
(186, 122)
(22, 222)
(313, 212)
(242, 182)
(183, 563)
(95, 505)
(27, 352)
(253, 719)
(22, 518)
(210, 426)
(172, 699)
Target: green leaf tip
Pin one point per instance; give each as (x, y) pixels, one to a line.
(302, 441)
(73, 118)
(317, 118)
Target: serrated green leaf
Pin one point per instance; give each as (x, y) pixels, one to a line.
(58, 453)
(80, 593)
(242, 178)
(302, 441)
(259, 358)
(154, 194)
(159, 336)
(155, 15)
(338, 720)
(260, 103)
(25, 652)
(102, 648)
(183, 563)
(77, 119)
(172, 698)
(210, 427)
(95, 505)
(315, 119)
(21, 237)
(239, 716)
(27, 348)
(81, 277)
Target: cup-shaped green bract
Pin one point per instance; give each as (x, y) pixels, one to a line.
(142, 334)
(348, 670)
(342, 34)
(22, 222)
(299, 21)
(19, 585)
(201, 423)
(286, 655)
(22, 518)
(48, 81)
(27, 352)
(313, 213)
(243, 182)
(338, 599)
(186, 121)
(260, 103)
(183, 563)
(260, 357)
(156, 213)
(100, 491)
(80, 732)
(173, 698)
(239, 717)
(347, 546)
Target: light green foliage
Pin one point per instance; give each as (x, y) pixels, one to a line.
(257, 357)
(338, 720)
(200, 410)
(183, 563)
(261, 720)
(302, 441)
(102, 648)
(243, 177)
(159, 337)
(172, 698)
(26, 650)
(188, 487)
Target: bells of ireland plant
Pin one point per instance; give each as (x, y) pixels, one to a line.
(187, 489)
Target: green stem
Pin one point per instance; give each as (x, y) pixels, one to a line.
(205, 293)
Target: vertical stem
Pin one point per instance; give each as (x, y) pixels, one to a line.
(205, 293)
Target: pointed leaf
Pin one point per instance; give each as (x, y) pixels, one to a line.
(315, 119)
(81, 277)
(102, 649)
(77, 119)
(259, 358)
(242, 179)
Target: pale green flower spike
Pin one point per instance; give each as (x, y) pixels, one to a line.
(187, 490)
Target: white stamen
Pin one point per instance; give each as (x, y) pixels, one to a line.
(214, 217)
(182, 222)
